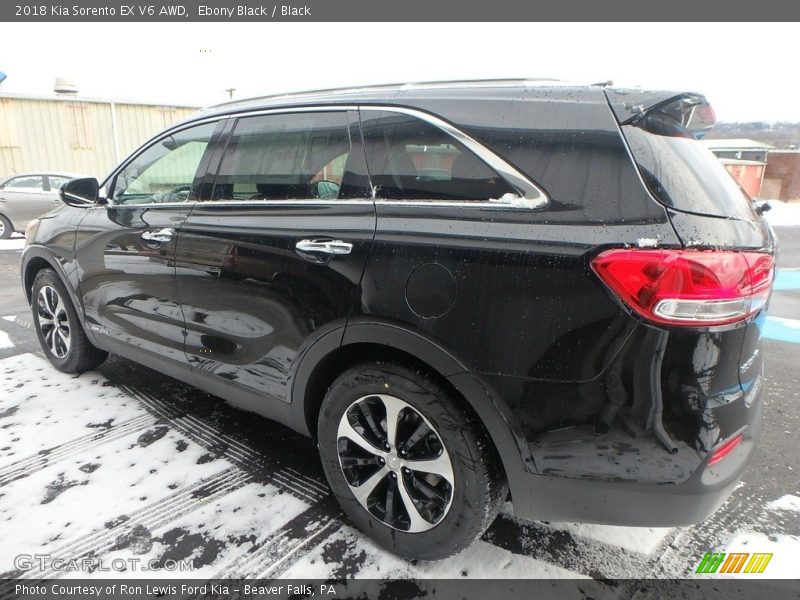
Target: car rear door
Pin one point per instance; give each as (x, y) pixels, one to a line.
(275, 259)
(125, 250)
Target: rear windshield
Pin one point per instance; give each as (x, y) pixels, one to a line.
(684, 175)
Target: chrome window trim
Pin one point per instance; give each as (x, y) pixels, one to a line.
(499, 204)
(285, 202)
(531, 196)
(294, 109)
(478, 204)
(244, 203)
(528, 190)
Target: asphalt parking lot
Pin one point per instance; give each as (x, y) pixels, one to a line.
(125, 463)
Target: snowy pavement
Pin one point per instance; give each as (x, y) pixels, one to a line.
(125, 463)
(783, 214)
(13, 244)
(116, 470)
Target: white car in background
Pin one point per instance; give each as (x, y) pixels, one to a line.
(27, 196)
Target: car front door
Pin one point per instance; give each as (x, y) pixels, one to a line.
(275, 259)
(126, 249)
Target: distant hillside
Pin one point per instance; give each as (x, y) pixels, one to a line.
(780, 135)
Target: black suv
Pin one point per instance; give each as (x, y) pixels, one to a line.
(463, 292)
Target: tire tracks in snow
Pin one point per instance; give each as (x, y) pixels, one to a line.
(275, 553)
(152, 517)
(44, 458)
(243, 456)
(280, 549)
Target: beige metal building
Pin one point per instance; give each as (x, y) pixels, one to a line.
(76, 135)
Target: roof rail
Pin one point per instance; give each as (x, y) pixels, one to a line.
(396, 87)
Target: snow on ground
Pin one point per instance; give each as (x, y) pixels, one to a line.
(101, 474)
(643, 540)
(33, 422)
(15, 242)
(787, 502)
(216, 534)
(478, 561)
(97, 473)
(783, 213)
(5, 341)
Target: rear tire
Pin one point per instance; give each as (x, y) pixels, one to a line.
(433, 488)
(58, 327)
(6, 228)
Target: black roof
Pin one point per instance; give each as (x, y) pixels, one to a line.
(414, 94)
(447, 98)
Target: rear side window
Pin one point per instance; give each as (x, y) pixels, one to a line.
(410, 159)
(292, 156)
(681, 173)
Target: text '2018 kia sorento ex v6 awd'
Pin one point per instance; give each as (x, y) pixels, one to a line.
(464, 293)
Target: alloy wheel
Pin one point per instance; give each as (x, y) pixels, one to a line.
(395, 463)
(53, 321)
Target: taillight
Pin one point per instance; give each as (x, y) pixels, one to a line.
(688, 287)
(725, 449)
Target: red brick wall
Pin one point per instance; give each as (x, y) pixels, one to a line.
(748, 176)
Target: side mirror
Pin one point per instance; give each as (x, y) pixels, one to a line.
(80, 192)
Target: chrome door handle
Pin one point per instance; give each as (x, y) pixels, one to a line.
(332, 247)
(162, 236)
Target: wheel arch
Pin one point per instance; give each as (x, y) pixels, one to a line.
(31, 270)
(34, 260)
(338, 350)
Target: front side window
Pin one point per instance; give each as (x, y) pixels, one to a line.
(410, 159)
(32, 183)
(292, 156)
(165, 171)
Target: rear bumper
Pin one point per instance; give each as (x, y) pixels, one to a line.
(549, 498)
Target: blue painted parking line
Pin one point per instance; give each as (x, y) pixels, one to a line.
(787, 280)
(784, 330)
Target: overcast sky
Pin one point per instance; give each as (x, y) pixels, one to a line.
(745, 70)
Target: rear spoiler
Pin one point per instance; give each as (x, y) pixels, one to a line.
(690, 109)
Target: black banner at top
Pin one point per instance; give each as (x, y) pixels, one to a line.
(399, 10)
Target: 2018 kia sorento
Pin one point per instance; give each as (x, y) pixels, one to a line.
(463, 292)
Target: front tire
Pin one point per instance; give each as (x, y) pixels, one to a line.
(411, 466)
(58, 328)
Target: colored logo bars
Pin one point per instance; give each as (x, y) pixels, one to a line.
(733, 562)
